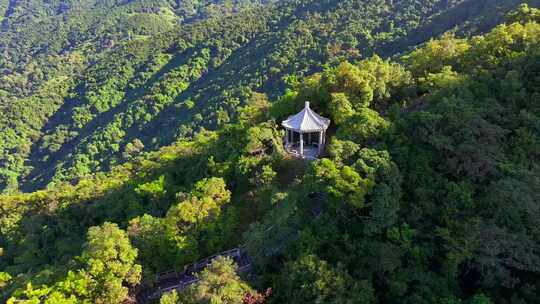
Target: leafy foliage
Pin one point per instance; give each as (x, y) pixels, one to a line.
(218, 283)
(428, 192)
(108, 260)
(81, 82)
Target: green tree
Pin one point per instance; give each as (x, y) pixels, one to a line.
(342, 151)
(340, 108)
(108, 271)
(343, 184)
(148, 235)
(109, 262)
(385, 196)
(255, 110)
(436, 54)
(219, 283)
(5, 279)
(365, 125)
(169, 298)
(133, 148)
(355, 82)
(312, 280)
(193, 225)
(523, 14)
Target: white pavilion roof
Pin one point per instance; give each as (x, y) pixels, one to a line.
(306, 121)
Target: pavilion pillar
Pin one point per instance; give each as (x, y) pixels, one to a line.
(287, 138)
(291, 137)
(301, 144)
(321, 141)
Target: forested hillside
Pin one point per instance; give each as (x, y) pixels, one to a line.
(428, 193)
(89, 84)
(46, 48)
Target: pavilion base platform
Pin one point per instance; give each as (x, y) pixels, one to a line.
(311, 152)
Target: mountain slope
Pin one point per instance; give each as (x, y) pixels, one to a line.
(181, 80)
(43, 43)
(428, 193)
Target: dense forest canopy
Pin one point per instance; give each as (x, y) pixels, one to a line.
(84, 82)
(428, 193)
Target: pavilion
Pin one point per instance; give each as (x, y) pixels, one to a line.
(306, 133)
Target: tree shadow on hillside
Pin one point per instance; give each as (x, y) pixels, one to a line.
(44, 171)
(467, 17)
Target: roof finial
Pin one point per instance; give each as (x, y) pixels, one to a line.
(307, 104)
